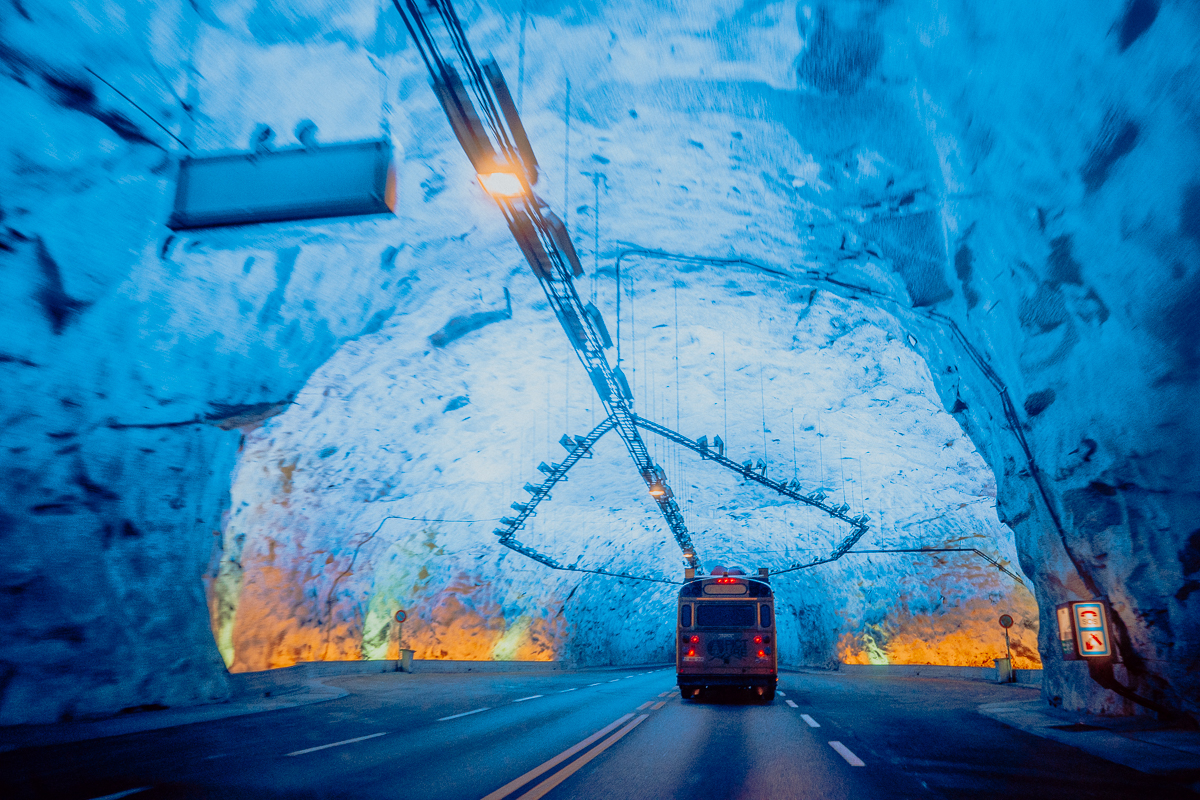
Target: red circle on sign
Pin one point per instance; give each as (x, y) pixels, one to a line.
(401, 616)
(1006, 621)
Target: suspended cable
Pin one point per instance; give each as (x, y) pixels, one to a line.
(763, 403)
(521, 57)
(842, 465)
(794, 467)
(724, 390)
(567, 160)
(676, 291)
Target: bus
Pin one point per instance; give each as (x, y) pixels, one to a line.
(725, 633)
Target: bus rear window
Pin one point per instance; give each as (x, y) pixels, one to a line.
(725, 615)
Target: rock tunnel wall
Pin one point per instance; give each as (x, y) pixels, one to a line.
(1029, 177)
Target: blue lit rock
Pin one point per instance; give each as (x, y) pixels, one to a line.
(1029, 176)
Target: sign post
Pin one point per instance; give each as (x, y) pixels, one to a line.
(1004, 670)
(406, 656)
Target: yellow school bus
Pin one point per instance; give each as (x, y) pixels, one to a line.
(726, 634)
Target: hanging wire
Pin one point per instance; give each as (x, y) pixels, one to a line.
(862, 500)
(762, 399)
(794, 468)
(676, 290)
(521, 57)
(596, 257)
(567, 160)
(842, 465)
(820, 450)
(632, 320)
(724, 390)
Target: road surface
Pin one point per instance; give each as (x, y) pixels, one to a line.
(613, 733)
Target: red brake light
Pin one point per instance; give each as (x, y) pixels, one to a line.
(758, 640)
(691, 652)
(762, 654)
(695, 639)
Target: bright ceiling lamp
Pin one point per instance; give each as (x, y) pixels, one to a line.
(502, 183)
(657, 489)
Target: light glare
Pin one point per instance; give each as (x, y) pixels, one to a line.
(502, 184)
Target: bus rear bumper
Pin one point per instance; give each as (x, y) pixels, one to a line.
(694, 681)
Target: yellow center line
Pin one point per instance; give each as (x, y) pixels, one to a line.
(512, 786)
(645, 705)
(659, 705)
(554, 780)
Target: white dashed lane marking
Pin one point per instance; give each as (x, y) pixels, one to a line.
(845, 753)
(592, 684)
(791, 703)
(531, 697)
(812, 723)
(782, 694)
(464, 714)
(573, 688)
(350, 741)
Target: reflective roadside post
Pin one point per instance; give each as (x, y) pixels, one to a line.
(406, 656)
(1004, 670)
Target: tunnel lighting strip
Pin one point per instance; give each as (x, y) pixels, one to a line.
(858, 525)
(542, 237)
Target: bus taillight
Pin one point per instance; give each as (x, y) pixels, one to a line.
(695, 639)
(691, 652)
(762, 654)
(758, 640)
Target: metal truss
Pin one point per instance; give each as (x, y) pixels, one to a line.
(758, 474)
(495, 141)
(539, 233)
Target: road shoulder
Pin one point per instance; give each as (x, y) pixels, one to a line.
(1137, 743)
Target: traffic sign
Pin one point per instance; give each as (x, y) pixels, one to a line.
(401, 616)
(1091, 629)
(1006, 621)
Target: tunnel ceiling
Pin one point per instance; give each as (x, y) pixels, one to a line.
(968, 241)
(442, 416)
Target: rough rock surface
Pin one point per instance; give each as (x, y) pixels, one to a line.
(1011, 197)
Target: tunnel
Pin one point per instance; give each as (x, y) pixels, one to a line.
(927, 271)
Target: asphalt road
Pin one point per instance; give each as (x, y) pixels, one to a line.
(605, 734)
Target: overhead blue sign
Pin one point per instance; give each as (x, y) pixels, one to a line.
(297, 183)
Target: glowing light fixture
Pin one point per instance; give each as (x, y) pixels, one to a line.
(501, 184)
(657, 489)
